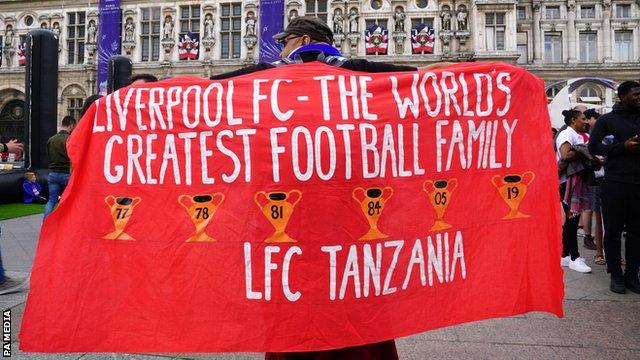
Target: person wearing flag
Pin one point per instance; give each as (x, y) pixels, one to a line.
(308, 39)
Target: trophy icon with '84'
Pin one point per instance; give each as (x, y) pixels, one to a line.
(201, 209)
(372, 201)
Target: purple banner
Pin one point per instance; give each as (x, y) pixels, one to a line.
(271, 23)
(108, 40)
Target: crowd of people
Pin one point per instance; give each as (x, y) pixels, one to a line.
(599, 171)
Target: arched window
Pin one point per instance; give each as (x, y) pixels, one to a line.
(591, 95)
(12, 121)
(553, 91)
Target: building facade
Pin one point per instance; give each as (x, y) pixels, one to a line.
(554, 39)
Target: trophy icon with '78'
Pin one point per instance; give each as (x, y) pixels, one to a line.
(201, 209)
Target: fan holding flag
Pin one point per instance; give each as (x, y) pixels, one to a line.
(422, 39)
(189, 46)
(376, 40)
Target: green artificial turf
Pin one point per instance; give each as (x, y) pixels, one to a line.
(10, 211)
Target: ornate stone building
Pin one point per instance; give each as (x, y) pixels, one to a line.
(554, 39)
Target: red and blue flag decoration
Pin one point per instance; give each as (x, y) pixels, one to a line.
(423, 39)
(376, 40)
(189, 46)
(22, 57)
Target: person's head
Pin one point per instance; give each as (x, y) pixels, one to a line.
(87, 103)
(30, 176)
(629, 94)
(142, 78)
(303, 30)
(591, 115)
(576, 120)
(68, 123)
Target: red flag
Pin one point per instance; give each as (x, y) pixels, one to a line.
(300, 208)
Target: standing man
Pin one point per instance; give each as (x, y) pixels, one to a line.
(9, 285)
(621, 184)
(59, 163)
(307, 39)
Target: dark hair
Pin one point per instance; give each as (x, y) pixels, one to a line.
(87, 103)
(625, 87)
(591, 113)
(569, 115)
(68, 121)
(146, 77)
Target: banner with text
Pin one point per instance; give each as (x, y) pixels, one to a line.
(108, 39)
(306, 207)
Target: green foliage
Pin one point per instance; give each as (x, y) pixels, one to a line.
(10, 211)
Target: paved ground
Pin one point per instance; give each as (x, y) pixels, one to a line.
(598, 324)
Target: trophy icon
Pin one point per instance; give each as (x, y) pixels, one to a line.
(278, 207)
(201, 209)
(512, 189)
(439, 193)
(372, 202)
(121, 209)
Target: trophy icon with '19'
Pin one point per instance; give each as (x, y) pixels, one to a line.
(372, 201)
(201, 209)
(121, 209)
(439, 193)
(512, 189)
(278, 207)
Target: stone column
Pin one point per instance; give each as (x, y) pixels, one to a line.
(537, 37)
(571, 31)
(606, 30)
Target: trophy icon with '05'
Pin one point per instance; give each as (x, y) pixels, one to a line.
(372, 201)
(512, 189)
(439, 193)
(201, 209)
(121, 209)
(277, 207)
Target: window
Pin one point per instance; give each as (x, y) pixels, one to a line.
(75, 38)
(588, 47)
(552, 12)
(190, 19)
(495, 29)
(422, 3)
(522, 13)
(319, 8)
(553, 91)
(231, 24)
(553, 48)
(590, 95)
(523, 48)
(587, 11)
(28, 20)
(623, 46)
(12, 121)
(623, 10)
(74, 108)
(417, 21)
(369, 22)
(150, 34)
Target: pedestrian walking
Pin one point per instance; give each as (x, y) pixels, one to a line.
(59, 163)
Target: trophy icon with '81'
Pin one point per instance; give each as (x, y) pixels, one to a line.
(278, 207)
(372, 201)
(201, 209)
(121, 209)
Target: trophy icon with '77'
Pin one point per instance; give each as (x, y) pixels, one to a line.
(121, 209)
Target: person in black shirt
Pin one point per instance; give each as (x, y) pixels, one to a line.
(620, 130)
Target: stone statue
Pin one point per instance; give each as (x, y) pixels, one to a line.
(250, 22)
(9, 36)
(91, 32)
(293, 14)
(129, 30)
(445, 16)
(461, 17)
(353, 21)
(399, 17)
(338, 22)
(56, 28)
(168, 28)
(208, 26)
